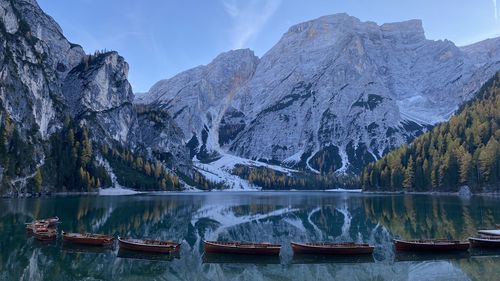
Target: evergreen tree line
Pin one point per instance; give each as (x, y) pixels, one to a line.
(71, 164)
(463, 151)
(15, 154)
(133, 171)
(275, 180)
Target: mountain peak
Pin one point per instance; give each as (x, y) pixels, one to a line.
(345, 24)
(406, 29)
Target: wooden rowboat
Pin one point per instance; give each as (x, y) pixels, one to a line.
(49, 221)
(32, 226)
(151, 246)
(431, 245)
(45, 234)
(87, 239)
(484, 241)
(217, 247)
(325, 248)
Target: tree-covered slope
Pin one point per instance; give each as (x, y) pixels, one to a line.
(463, 151)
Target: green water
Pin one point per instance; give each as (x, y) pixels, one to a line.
(272, 217)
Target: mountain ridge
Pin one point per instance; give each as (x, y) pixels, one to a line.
(332, 95)
(324, 81)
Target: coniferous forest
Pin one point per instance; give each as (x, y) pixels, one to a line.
(463, 151)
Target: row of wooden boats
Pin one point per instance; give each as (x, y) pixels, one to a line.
(45, 230)
(323, 248)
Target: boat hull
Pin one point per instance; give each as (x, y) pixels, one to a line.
(490, 232)
(477, 242)
(45, 236)
(214, 247)
(90, 241)
(133, 246)
(331, 249)
(428, 246)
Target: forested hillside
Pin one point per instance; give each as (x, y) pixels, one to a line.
(463, 151)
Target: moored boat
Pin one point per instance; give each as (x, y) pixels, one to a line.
(49, 222)
(325, 248)
(30, 227)
(219, 247)
(151, 246)
(87, 239)
(45, 234)
(484, 241)
(431, 245)
(490, 232)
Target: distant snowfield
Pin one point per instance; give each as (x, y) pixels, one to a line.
(219, 171)
(115, 191)
(344, 190)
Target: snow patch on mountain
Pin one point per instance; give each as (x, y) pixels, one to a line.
(219, 171)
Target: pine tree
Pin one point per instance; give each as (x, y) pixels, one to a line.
(465, 166)
(38, 180)
(409, 178)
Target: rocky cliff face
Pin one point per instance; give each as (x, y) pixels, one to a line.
(44, 78)
(98, 91)
(199, 98)
(333, 94)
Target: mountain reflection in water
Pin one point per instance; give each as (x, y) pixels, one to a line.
(269, 217)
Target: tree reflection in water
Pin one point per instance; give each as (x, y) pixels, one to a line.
(271, 217)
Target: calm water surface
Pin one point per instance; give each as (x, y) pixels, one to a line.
(272, 217)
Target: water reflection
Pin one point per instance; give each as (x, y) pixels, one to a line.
(271, 217)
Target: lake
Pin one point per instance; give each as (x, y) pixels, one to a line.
(248, 216)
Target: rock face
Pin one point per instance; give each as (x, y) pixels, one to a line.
(44, 78)
(98, 90)
(333, 94)
(34, 58)
(199, 98)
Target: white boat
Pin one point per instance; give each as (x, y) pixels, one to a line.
(490, 232)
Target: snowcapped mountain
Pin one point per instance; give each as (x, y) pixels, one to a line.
(333, 94)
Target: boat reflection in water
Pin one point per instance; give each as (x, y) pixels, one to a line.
(429, 256)
(211, 258)
(330, 259)
(79, 248)
(276, 217)
(128, 254)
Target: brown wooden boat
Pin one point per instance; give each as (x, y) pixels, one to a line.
(30, 227)
(218, 247)
(151, 246)
(49, 222)
(485, 241)
(45, 234)
(431, 245)
(87, 239)
(325, 248)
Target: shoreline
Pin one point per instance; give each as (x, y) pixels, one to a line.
(199, 191)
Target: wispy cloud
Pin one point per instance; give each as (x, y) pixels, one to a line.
(249, 18)
(495, 8)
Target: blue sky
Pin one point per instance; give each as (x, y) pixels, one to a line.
(160, 38)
